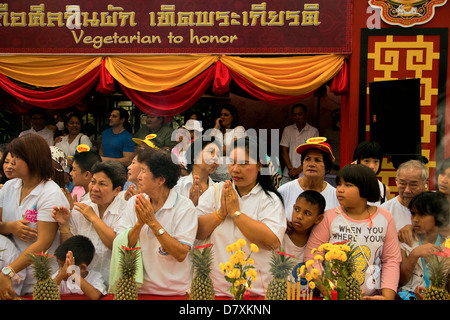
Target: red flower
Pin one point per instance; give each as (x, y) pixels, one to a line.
(44, 254)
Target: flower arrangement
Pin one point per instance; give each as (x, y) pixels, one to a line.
(335, 260)
(239, 271)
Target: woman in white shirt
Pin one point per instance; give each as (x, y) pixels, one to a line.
(249, 208)
(163, 223)
(226, 131)
(26, 204)
(98, 216)
(69, 143)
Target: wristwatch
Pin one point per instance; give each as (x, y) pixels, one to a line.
(160, 232)
(236, 214)
(7, 271)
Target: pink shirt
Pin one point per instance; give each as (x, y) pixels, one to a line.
(379, 250)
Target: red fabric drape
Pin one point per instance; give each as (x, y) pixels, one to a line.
(175, 100)
(339, 84)
(59, 98)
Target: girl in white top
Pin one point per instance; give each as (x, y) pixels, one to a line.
(98, 216)
(317, 160)
(203, 160)
(69, 142)
(163, 224)
(26, 204)
(226, 130)
(249, 208)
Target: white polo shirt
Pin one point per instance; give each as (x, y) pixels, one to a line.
(258, 206)
(400, 213)
(79, 225)
(163, 274)
(37, 206)
(292, 138)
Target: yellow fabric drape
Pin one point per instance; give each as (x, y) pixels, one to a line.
(157, 73)
(47, 70)
(290, 76)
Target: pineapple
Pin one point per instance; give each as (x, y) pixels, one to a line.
(126, 287)
(438, 270)
(45, 288)
(280, 267)
(350, 288)
(202, 287)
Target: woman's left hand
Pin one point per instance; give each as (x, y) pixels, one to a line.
(85, 210)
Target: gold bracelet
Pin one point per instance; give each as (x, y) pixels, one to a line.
(217, 216)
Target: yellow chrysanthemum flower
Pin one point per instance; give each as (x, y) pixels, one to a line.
(230, 274)
(250, 261)
(328, 256)
(241, 242)
(234, 259)
(235, 247)
(313, 251)
(254, 248)
(311, 284)
(309, 263)
(308, 276)
(318, 257)
(302, 269)
(237, 273)
(346, 248)
(315, 273)
(228, 266)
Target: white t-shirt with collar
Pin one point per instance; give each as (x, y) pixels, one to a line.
(45, 133)
(163, 274)
(79, 225)
(258, 206)
(37, 206)
(400, 213)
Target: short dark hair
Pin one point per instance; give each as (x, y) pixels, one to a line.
(123, 113)
(35, 151)
(196, 147)
(326, 159)
(114, 170)
(82, 248)
(433, 203)
(364, 178)
(161, 165)
(86, 160)
(36, 110)
(300, 105)
(368, 149)
(315, 198)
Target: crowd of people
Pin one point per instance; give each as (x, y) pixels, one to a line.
(166, 192)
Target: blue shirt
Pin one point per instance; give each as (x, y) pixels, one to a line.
(114, 145)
